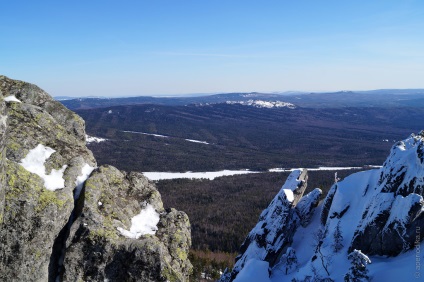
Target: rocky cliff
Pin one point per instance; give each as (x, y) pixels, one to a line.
(370, 226)
(62, 217)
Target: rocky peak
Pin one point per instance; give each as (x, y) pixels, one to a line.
(63, 218)
(273, 234)
(378, 212)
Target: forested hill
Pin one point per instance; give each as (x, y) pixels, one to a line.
(374, 98)
(224, 136)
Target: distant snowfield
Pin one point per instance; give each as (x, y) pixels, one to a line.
(196, 141)
(145, 133)
(324, 168)
(211, 175)
(165, 136)
(194, 175)
(263, 104)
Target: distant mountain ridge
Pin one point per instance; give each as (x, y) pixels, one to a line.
(371, 98)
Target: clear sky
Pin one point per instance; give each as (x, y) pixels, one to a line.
(128, 48)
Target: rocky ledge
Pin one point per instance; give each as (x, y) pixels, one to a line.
(62, 217)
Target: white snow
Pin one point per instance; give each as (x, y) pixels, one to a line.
(194, 175)
(143, 223)
(196, 141)
(90, 139)
(145, 133)
(291, 184)
(34, 162)
(321, 168)
(85, 172)
(12, 98)
(289, 194)
(157, 175)
(263, 104)
(165, 136)
(400, 208)
(254, 271)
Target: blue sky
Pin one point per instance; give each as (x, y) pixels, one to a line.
(128, 48)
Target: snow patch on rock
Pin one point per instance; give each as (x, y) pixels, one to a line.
(143, 223)
(34, 162)
(12, 98)
(79, 182)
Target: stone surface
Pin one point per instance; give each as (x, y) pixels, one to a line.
(32, 215)
(112, 198)
(45, 235)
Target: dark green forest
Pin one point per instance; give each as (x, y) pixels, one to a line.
(242, 137)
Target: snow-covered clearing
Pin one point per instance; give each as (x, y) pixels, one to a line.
(143, 223)
(90, 139)
(263, 104)
(145, 133)
(194, 175)
(197, 141)
(166, 136)
(155, 176)
(34, 162)
(324, 168)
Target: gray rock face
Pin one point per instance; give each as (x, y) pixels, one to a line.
(3, 127)
(33, 216)
(112, 198)
(51, 223)
(400, 204)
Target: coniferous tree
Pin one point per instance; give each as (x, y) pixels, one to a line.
(338, 239)
(358, 271)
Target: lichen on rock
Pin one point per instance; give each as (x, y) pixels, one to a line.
(70, 232)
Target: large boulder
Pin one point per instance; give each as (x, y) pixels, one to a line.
(110, 252)
(42, 161)
(56, 225)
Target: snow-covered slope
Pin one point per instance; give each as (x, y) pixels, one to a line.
(264, 104)
(370, 226)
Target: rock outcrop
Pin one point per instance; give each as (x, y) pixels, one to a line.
(56, 223)
(273, 234)
(376, 212)
(393, 215)
(111, 199)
